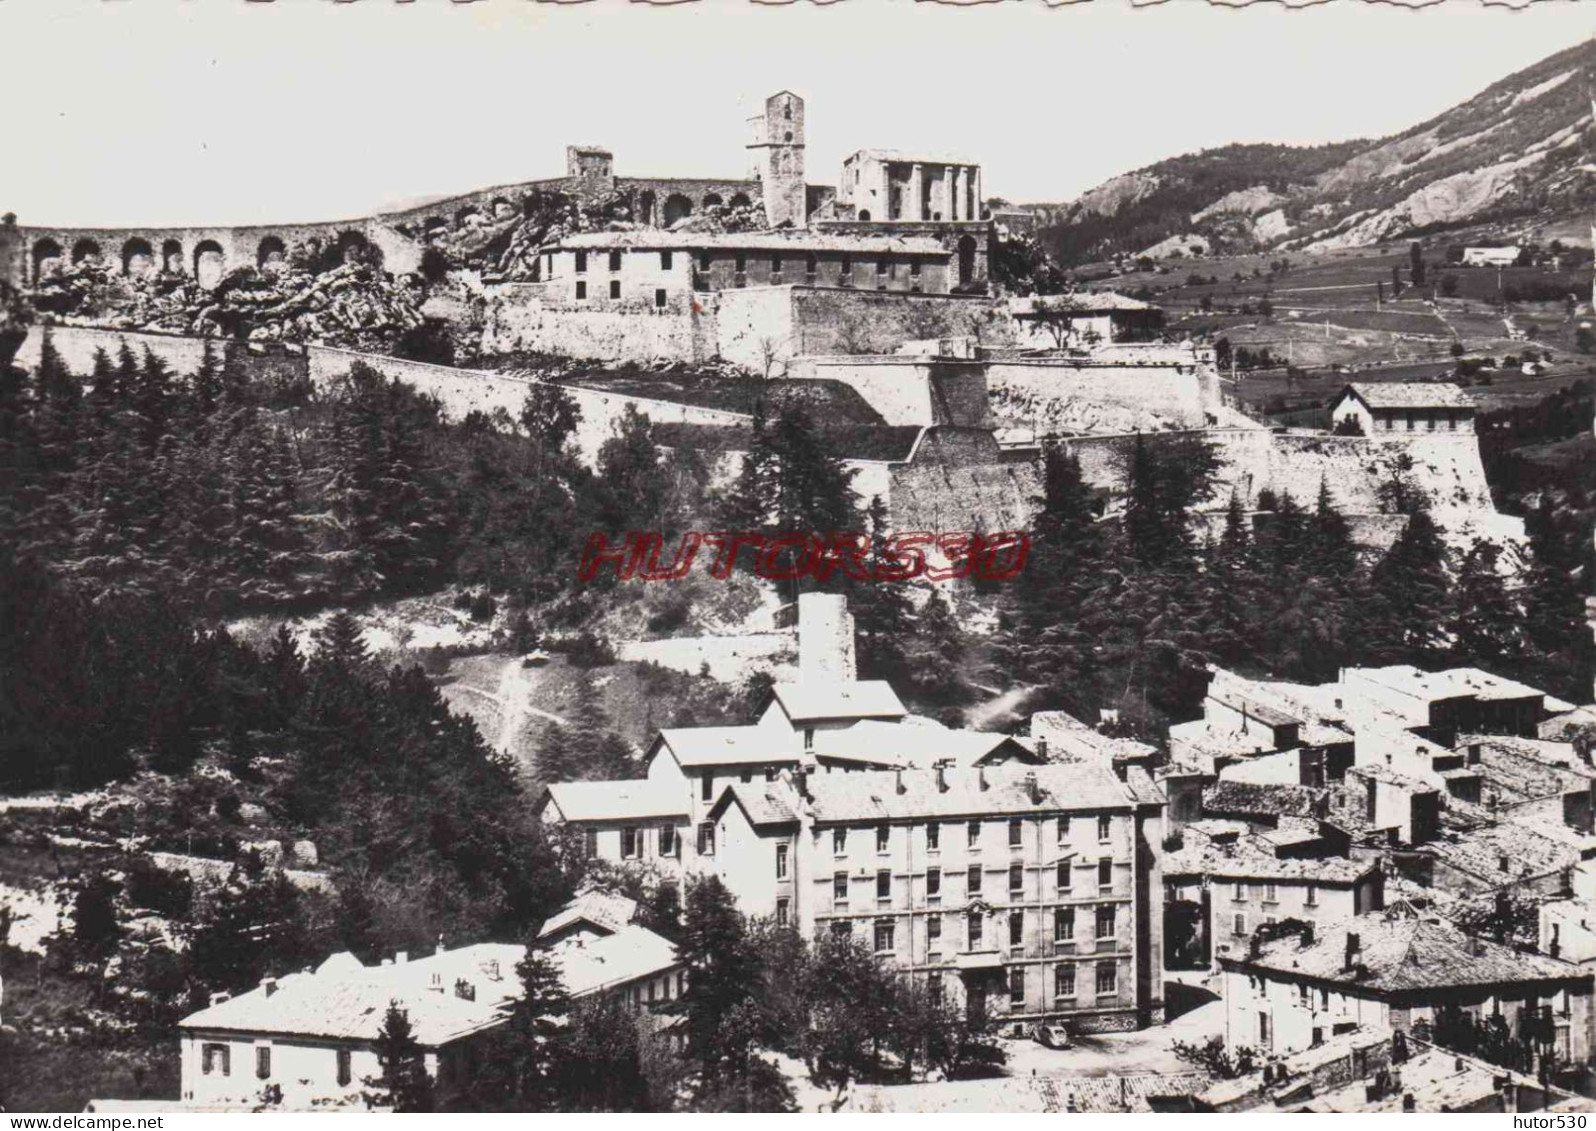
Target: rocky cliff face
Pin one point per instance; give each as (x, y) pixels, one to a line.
(1509, 155)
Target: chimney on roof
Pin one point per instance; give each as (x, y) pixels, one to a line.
(400, 957)
(1354, 947)
(942, 777)
(220, 996)
(439, 949)
(897, 782)
(1408, 1103)
(1306, 935)
(1032, 789)
(1474, 753)
(825, 639)
(387, 962)
(1041, 748)
(980, 776)
(268, 985)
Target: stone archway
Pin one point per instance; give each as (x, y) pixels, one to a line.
(138, 257)
(645, 209)
(272, 250)
(45, 251)
(864, 215)
(172, 257)
(740, 200)
(86, 251)
(677, 207)
(210, 263)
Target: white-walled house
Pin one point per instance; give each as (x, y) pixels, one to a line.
(306, 1040)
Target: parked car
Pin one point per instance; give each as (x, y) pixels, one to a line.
(1051, 1036)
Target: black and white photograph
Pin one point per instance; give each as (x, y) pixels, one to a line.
(820, 558)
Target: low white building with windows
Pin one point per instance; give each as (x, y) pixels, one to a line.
(1383, 409)
(307, 1039)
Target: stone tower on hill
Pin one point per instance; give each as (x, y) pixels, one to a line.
(776, 159)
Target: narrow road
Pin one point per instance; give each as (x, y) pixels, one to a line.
(511, 700)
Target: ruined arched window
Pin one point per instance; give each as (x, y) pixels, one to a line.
(86, 251)
(864, 215)
(431, 226)
(138, 257)
(502, 208)
(172, 257)
(46, 257)
(740, 200)
(209, 263)
(712, 200)
(271, 250)
(645, 209)
(966, 259)
(677, 207)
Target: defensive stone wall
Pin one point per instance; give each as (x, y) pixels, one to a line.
(754, 326)
(76, 345)
(1044, 395)
(852, 321)
(532, 317)
(464, 390)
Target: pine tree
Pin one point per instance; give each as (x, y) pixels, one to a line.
(723, 969)
(1410, 596)
(536, 1031)
(630, 477)
(1483, 620)
(750, 504)
(341, 644)
(403, 1084)
(936, 653)
(882, 612)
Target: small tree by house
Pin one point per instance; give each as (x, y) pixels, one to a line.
(403, 1084)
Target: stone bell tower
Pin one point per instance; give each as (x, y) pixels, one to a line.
(776, 159)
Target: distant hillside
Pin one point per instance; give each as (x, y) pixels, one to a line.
(1509, 155)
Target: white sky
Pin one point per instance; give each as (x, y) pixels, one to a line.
(120, 112)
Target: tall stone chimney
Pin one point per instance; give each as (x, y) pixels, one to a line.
(825, 639)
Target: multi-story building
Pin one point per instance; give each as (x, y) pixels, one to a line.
(1401, 969)
(308, 1039)
(1239, 880)
(1025, 892)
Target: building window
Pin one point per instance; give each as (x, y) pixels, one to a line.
(845, 270)
(933, 933)
(933, 837)
(809, 738)
(590, 843)
(884, 935)
(1310, 896)
(974, 880)
(1063, 877)
(781, 861)
(1063, 924)
(615, 288)
(706, 787)
(631, 842)
(581, 262)
(1107, 978)
(1063, 829)
(841, 930)
(1105, 921)
(667, 840)
(839, 889)
(1238, 925)
(782, 911)
(1105, 826)
(1271, 893)
(581, 289)
(742, 263)
(883, 838)
(933, 883)
(914, 270)
(1016, 928)
(1016, 986)
(615, 261)
(775, 265)
(216, 1058)
(973, 834)
(1241, 893)
(263, 1062)
(703, 261)
(1105, 873)
(1016, 879)
(973, 928)
(1064, 980)
(839, 842)
(811, 268)
(706, 839)
(933, 986)
(883, 884)
(346, 1071)
(1016, 833)
(664, 261)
